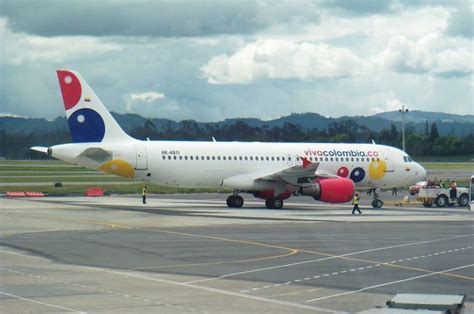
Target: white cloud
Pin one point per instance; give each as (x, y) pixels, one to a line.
(146, 96)
(429, 54)
(392, 104)
(140, 99)
(282, 59)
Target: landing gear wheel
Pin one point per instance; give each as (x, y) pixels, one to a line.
(463, 200)
(376, 203)
(238, 201)
(268, 204)
(230, 201)
(441, 201)
(274, 203)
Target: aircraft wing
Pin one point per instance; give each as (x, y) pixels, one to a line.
(300, 175)
(297, 175)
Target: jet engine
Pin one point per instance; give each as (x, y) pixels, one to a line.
(337, 190)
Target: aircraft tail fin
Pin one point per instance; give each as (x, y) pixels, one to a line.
(88, 118)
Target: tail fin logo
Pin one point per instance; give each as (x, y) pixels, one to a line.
(85, 124)
(70, 89)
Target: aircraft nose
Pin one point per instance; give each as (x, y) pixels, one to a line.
(421, 172)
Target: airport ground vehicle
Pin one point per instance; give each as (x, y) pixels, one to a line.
(442, 197)
(414, 189)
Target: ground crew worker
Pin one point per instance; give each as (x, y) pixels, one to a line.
(355, 202)
(453, 191)
(144, 194)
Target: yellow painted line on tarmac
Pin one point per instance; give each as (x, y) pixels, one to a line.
(292, 250)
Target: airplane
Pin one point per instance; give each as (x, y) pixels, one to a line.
(274, 172)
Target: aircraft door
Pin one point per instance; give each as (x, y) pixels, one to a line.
(388, 158)
(141, 158)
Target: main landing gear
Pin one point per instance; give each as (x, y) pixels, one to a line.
(274, 203)
(377, 203)
(235, 201)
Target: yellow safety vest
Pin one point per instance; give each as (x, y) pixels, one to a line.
(355, 201)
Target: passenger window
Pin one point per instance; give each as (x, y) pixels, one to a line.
(268, 158)
(175, 157)
(180, 157)
(278, 158)
(223, 157)
(331, 159)
(283, 158)
(352, 158)
(164, 157)
(357, 159)
(327, 159)
(169, 157)
(191, 157)
(273, 158)
(213, 157)
(208, 158)
(218, 157)
(185, 157)
(289, 158)
(251, 158)
(240, 157)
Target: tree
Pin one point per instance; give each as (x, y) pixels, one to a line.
(434, 134)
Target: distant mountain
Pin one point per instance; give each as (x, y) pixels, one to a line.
(459, 125)
(418, 116)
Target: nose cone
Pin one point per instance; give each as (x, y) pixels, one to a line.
(420, 172)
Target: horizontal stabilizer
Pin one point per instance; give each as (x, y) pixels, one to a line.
(40, 149)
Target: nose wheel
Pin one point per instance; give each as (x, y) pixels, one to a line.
(377, 203)
(235, 201)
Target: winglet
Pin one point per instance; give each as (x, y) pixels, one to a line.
(306, 162)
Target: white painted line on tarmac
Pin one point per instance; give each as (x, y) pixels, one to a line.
(327, 258)
(42, 303)
(388, 283)
(213, 290)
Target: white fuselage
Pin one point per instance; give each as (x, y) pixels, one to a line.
(207, 164)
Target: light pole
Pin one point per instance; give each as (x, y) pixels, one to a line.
(403, 110)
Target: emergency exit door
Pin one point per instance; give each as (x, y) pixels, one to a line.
(141, 162)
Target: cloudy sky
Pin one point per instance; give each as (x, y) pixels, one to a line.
(211, 60)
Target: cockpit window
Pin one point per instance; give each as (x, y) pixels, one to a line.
(407, 159)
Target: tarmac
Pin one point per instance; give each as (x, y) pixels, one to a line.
(192, 254)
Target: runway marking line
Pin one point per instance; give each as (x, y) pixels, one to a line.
(39, 302)
(87, 287)
(388, 283)
(291, 250)
(340, 272)
(294, 250)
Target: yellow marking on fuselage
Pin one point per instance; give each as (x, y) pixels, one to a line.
(118, 167)
(377, 169)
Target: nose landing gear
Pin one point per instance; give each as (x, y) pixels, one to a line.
(377, 203)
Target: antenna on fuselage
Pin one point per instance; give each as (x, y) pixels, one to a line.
(214, 139)
(373, 142)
